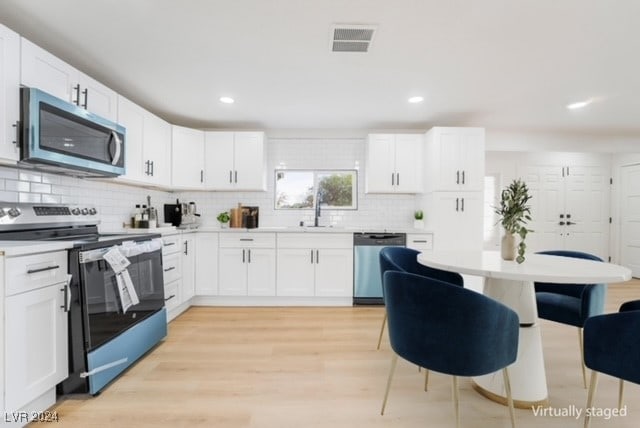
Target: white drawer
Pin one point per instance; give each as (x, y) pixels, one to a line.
(315, 240)
(170, 244)
(171, 296)
(171, 267)
(247, 240)
(420, 241)
(26, 273)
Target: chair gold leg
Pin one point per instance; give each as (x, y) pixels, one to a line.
(456, 401)
(592, 392)
(584, 369)
(620, 394)
(507, 386)
(384, 322)
(426, 378)
(394, 360)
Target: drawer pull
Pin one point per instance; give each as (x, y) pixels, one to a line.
(247, 239)
(170, 268)
(421, 241)
(43, 269)
(169, 244)
(170, 297)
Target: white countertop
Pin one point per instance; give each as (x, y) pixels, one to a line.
(536, 267)
(21, 248)
(273, 229)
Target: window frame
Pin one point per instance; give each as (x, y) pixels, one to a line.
(316, 173)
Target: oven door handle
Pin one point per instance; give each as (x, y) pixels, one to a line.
(104, 367)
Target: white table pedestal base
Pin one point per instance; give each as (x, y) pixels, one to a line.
(528, 378)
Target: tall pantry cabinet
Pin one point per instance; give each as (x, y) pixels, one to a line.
(454, 188)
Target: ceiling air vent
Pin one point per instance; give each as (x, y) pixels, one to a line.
(352, 37)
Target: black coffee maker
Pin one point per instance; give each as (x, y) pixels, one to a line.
(173, 213)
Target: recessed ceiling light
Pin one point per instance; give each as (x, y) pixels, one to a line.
(415, 100)
(579, 104)
(226, 100)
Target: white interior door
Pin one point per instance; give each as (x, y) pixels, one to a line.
(547, 203)
(587, 210)
(630, 219)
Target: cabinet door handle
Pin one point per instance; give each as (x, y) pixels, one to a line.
(170, 297)
(397, 178)
(170, 269)
(419, 241)
(186, 248)
(235, 176)
(168, 244)
(393, 179)
(247, 239)
(146, 167)
(77, 100)
(249, 258)
(462, 205)
(201, 176)
(457, 204)
(317, 256)
(567, 171)
(458, 177)
(67, 295)
(17, 127)
(86, 97)
(152, 167)
(311, 251)
(230, 176)
(30, 271)
(462, 176)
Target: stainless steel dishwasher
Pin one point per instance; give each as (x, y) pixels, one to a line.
(367, 283)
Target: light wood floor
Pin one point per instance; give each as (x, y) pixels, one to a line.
(317, 367)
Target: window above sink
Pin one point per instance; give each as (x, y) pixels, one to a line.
(301, 189)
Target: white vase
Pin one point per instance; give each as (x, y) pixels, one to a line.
(508, 246)
(418, 224)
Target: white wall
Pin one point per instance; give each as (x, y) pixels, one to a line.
(519, 141)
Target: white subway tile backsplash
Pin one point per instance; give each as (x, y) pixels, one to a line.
(51, 199)
(30, 176)
(16, 186)
(9, 173)
(29, 197)
(8, 196)
(40, 188)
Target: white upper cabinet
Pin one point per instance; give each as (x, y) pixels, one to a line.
(44, 71)
(9, 94)
(187, 160)
(235, 161)
(393, 163)
(131, 116)
(156, 150)
(454, 159)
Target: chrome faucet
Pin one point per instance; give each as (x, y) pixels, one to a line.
(319, 196)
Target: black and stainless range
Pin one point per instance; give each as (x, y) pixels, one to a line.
(105, 336)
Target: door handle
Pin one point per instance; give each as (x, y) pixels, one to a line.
(462, 176)
(317, 256)
(393, 179)
(77, 100)
(562, 223)
(243, 256)
(457, 206)
(186, 248)
(230, 176)
(397, 178)
(462, 207)
(116, 138)
(86, 96)
(569, 223)
(201, 176)
(43, 269)
(17, 127)
(146, 168)
(458, 177)
(170, 269)
(67, 294)
(170, 297)
(249, 258)
(235, 176)
(152, 168)
(311, 256)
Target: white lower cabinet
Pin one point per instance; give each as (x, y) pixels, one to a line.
(207, 264)
(247, 264)
(172, 266)
(188, 266)
(420, 241)
(320, 265)
(34, 339)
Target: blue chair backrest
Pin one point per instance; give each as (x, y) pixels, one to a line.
(448, 329)
(406, 260)
(598, 291)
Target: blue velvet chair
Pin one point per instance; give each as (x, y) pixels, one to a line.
(449, 329)
(571, 304)
(611, 346)
(403, 259)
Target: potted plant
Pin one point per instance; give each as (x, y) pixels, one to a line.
(223, 218)
(514, 213)
(418, 222)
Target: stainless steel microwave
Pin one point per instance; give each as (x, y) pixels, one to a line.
(58, 136)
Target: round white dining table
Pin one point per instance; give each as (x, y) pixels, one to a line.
(513, 285)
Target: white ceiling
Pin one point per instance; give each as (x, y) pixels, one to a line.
(501, 64)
